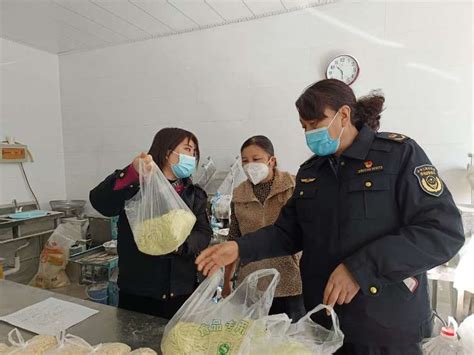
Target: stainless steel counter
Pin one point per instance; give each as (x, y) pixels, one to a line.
(29, 235)
(6, 222)
(109, 325)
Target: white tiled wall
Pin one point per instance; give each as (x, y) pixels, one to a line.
(31, 112)
(229, 83)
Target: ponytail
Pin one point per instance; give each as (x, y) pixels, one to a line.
(368, 111)
(334, 94)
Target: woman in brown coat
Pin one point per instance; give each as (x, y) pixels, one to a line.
(256, 203)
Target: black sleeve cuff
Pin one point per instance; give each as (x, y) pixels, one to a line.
(369, 285)
(246, 254)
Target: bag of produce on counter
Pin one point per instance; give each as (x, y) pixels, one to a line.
(64, 344)
(143, 351)
(69, 344)
(4, 349)
(202, 326)
(281, 337)
(112, 349)
(240, 324)
(37, 345)
(160, 220)
(53, 260)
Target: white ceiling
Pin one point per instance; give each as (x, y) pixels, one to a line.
(62, 26)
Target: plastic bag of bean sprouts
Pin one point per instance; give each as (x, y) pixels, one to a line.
(202, 326)
(240, 324)
(159, 218)
(39, 344)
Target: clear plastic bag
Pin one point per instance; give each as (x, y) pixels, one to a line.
(69, 344)
(205, 173)
(111, 349)
(221, 206)
(37, 345)
(4, 349)
(221, 202)
(53, 260)
(233, 179)
(143, 351)
(305, 337)
(159, 218)
(240, 324)
(202, 326)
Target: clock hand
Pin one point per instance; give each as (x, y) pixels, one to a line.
(342, 73)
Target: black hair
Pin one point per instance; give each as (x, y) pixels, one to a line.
(166, 140)
(260, 141)
(333, 94)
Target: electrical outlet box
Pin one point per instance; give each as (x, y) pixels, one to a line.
(13, 153)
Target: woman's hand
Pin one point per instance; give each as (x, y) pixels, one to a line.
(341, 287)
(217, 256)
(147, 161)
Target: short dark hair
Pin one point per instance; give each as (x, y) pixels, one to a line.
(260, 141)
(333, 94)
(166, 140)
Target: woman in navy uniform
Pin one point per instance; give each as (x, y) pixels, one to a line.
(370, 214)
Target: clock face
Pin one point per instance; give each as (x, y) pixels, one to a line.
(344, 68)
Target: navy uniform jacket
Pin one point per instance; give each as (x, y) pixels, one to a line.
(160, 277)
(381, 209)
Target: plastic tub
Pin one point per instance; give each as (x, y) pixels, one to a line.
(98, 292)
(111, 247)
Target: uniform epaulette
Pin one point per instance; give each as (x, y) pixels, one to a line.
(394, 137)
(309, 160)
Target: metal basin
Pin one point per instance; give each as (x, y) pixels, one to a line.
(71, 208)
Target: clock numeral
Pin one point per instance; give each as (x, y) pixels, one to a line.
(344, 68)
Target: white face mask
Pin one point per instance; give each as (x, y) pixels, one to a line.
(256, 172)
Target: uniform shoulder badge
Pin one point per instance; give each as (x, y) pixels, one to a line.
(314, 157)
(396, 137)
(429, 180)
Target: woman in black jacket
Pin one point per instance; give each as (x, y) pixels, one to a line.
(157, 285)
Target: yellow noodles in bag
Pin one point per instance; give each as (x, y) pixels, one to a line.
(4, 349)
(70, 349)
(143, 351)
(216, 339)
(164, 234)
(112, 349)
(37, 345)
(286, 347)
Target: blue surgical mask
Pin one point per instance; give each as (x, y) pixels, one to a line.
(185, 166)
(320, 141)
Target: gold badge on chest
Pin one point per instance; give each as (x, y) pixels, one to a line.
(308, 180)
(369, 167)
